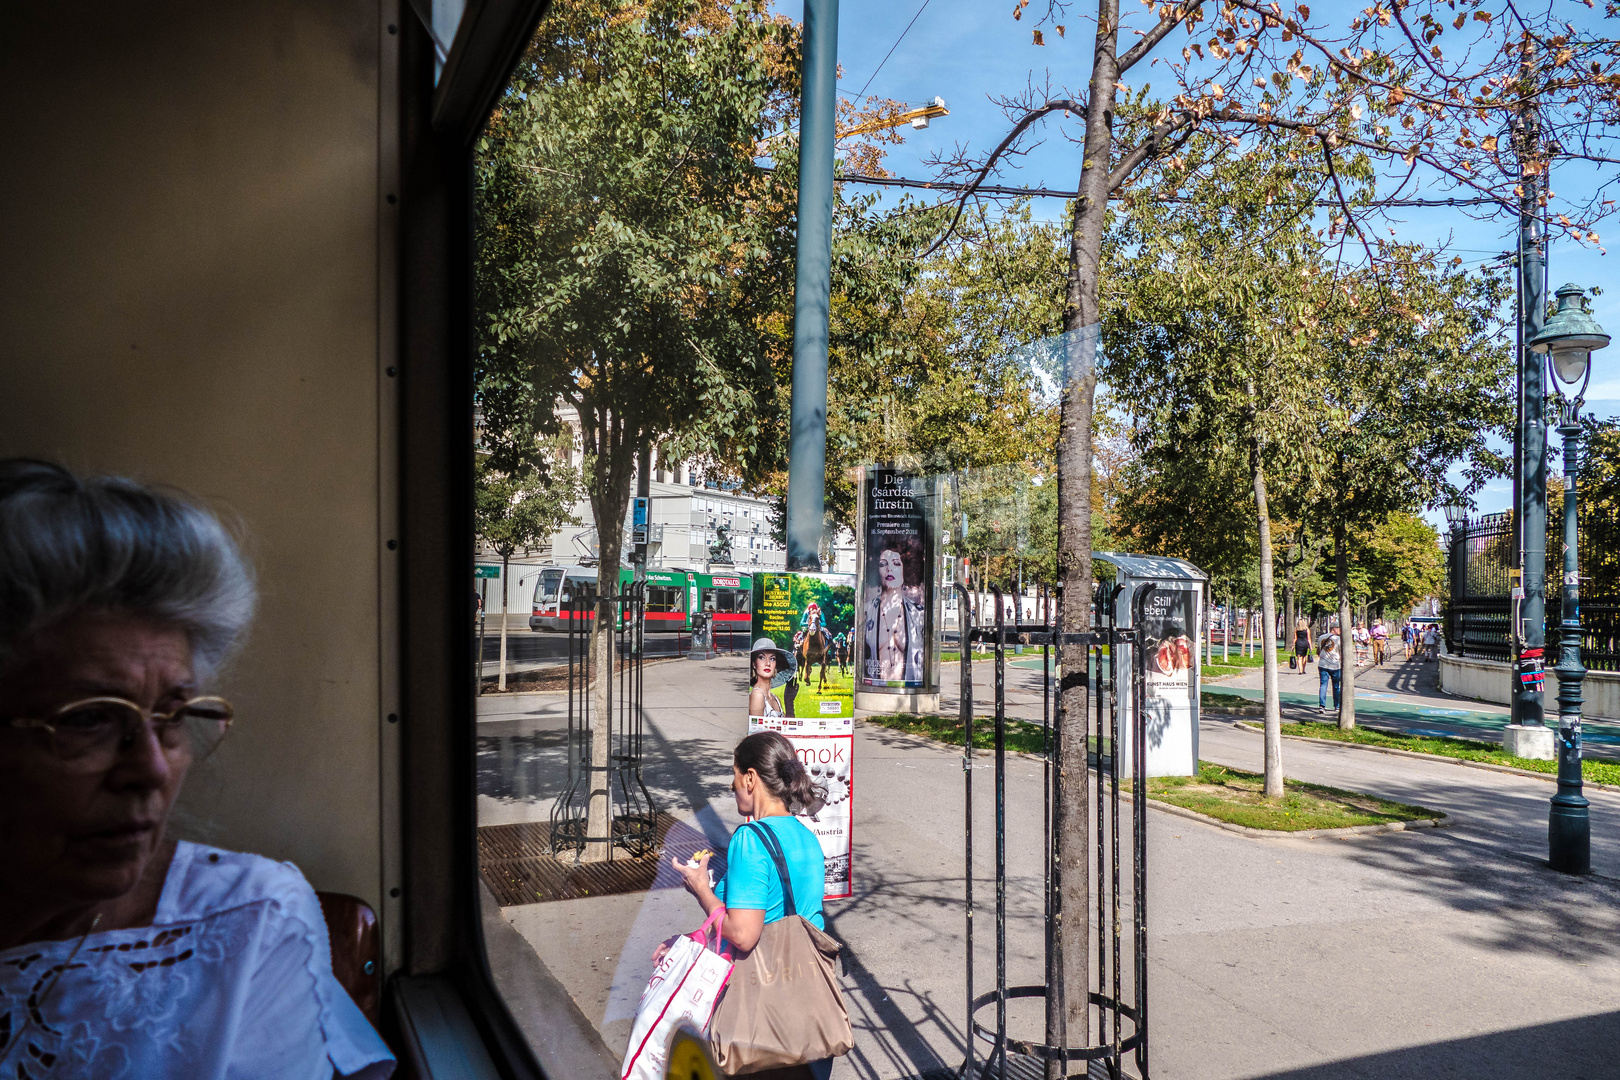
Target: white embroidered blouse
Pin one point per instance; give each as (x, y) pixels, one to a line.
(233, 979)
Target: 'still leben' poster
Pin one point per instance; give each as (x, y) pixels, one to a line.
(801, 685)
(1170, 640)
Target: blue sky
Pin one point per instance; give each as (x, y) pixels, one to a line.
(968, 52)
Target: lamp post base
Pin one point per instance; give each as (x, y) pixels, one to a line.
(1569, 836)
(1535, 743)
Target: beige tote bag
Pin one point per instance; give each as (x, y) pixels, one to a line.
(782, 1005)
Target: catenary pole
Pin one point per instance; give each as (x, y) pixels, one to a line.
(807, 441)
(1530, 458)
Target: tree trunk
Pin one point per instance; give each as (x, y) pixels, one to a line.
(505, 589)
(1069, 966)
(610, 498)
(1226, 628)
(1290, 615)
(1268, 609)
(1347, 649)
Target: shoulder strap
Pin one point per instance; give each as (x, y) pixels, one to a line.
(774, 846)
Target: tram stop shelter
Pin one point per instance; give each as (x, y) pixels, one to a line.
(1172, 620)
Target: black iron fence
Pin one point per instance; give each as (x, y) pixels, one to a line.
(1478, 617)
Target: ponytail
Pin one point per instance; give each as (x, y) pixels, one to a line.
(783, 774)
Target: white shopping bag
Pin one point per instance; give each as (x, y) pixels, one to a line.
(684, 987)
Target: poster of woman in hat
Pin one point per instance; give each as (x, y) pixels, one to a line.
(771, 668)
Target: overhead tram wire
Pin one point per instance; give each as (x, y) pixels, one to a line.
(862, 92)
(1048, 193)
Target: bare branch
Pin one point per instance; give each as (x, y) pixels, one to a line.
(1019, 128)
(1147, 148)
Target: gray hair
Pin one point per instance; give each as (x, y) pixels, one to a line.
(71, 544)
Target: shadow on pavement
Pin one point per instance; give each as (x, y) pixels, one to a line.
(1583, 1047)
(1535, 909)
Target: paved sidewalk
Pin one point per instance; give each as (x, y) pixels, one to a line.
(1436, 953)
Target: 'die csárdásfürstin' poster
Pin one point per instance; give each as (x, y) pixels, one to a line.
(899, 520)
(1170, 652)
(809, 697)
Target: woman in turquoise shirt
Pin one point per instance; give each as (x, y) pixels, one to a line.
(771, 785)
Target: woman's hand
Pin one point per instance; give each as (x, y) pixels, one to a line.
(696, 878)
(664, 947)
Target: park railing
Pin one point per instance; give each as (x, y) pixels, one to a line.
(1479, 614)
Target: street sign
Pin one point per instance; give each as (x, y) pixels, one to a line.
(486, 571)
(638, 530)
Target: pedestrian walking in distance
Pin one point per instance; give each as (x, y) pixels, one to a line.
(1408, 638)
(1302, 646)
(1431, 642)
(1380, 639)
(1329, 661)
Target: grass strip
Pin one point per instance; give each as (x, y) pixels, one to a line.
(1599, 772)
(1022, 736)
(1220, 699)
(1237, 797)
(1222, 793)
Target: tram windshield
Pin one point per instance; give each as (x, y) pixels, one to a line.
(547, 589)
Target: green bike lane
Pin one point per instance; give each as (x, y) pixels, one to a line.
(1404, 696)
(1400, 694)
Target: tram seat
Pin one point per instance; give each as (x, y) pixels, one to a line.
(351, 925)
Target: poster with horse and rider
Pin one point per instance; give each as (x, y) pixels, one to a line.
(810, 618)
(801, 683)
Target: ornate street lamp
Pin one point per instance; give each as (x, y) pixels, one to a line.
(1568, 340)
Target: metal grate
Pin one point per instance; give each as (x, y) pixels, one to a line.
(516, 863)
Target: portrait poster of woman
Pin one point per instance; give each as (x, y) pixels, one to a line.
(896, 582)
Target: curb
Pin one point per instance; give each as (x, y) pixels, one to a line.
(1487, 766)
(1302, 834)
(1232, 710)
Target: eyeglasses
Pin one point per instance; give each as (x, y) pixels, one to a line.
(88, 736)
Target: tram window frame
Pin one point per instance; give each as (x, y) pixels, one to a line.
(447, 1016)
(726, 601)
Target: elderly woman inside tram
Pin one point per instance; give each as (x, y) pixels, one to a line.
(125, 951)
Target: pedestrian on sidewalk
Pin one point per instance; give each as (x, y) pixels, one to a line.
(1380, 639)
(1302, 646)
(770, 784)
(1329, 662)
(1408, 638)
(1360, 639)
(1431, 642)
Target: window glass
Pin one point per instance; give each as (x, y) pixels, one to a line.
(727, 601)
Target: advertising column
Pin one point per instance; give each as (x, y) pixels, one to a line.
(800, 684)
(897, 660)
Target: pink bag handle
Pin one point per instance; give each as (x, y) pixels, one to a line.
(701, 934)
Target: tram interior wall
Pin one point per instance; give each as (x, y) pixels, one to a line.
(194, 284)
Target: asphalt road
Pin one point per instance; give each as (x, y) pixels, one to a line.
(531, 646)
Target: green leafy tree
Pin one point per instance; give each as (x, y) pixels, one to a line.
(1412, 85)
(630, 248)
(519, 507)
(1404, 562)
(1204, 338)
(1415, 376)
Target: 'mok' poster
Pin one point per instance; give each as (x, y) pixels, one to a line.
(827, 749)
(801, 684)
